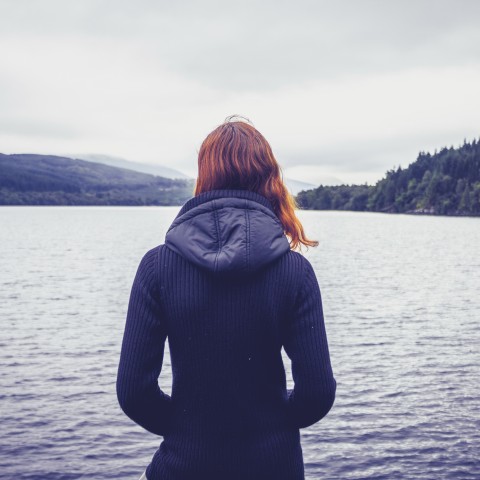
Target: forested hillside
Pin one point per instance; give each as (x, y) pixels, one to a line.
(51, 180)
(443, 183)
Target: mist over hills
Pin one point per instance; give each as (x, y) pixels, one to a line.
(294, 186)
(158, 170)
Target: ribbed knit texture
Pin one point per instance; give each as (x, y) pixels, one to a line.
(230, 415)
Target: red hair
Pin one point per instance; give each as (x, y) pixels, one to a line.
(237, 156)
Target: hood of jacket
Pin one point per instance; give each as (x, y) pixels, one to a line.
(228, 231)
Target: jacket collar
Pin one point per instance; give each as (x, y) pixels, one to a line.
(224, 193)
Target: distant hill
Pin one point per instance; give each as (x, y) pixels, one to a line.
(295, 186)
(27, 179)
(158, 170)
(445, 183)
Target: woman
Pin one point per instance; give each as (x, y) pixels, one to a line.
(228, 290)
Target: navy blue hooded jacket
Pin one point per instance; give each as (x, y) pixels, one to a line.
(228, 293)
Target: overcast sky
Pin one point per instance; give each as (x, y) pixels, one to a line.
(341, 89)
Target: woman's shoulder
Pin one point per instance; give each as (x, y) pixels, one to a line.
(298, 259)
(149, 259)
(147, 256)
(153, 252)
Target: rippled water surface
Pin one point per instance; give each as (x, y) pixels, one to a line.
(402, 311)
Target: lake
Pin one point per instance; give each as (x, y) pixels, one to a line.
(402, 313)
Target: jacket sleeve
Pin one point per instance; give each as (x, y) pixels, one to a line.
(142, 351)
(306, 345)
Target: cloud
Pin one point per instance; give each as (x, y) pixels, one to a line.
(260, 45)
(351, 87)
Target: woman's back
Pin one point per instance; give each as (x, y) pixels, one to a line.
(228, 292)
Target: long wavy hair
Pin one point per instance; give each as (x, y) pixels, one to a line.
(236, 156)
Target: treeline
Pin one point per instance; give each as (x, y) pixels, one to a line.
(445, 183)
(52, 180)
